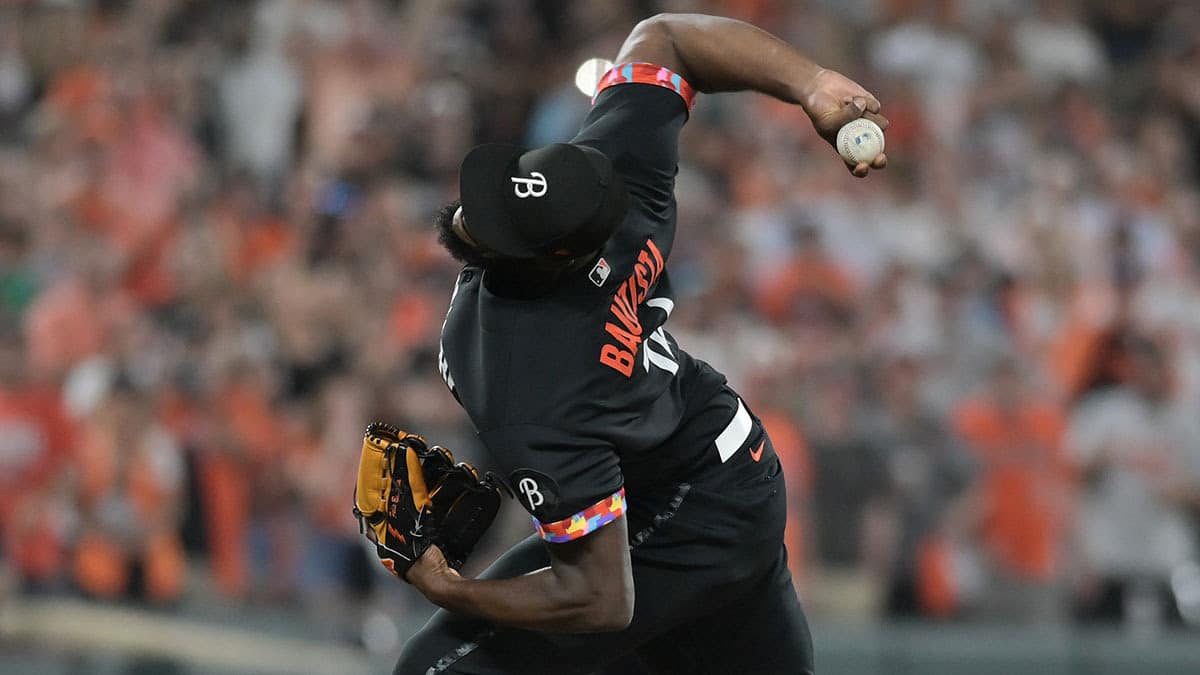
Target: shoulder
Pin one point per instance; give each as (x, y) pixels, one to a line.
(635, 103)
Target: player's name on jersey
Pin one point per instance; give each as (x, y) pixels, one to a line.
(627, 331)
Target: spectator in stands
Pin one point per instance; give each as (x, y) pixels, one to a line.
(36, 440)
(130, 480)
(850, 486)
(1025, 491)
(929, 514)
(1136, 452)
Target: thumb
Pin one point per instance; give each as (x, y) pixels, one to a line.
(851, 109)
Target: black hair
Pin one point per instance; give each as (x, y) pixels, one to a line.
(526, 278)
(461, 251)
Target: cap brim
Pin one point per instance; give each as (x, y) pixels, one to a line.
(481, 182)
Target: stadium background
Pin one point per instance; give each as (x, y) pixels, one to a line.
(982, 365)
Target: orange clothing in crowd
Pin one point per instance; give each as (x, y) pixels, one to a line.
(1025, 482)
(81, 95)
(410, 319)
(266, 241)
(35, 437)
(226, 477)
(117, 460)
(226, 490)
(103, 569)
(250, 242)
(1072, 356)
(820, 277)
(253, 424)
(937, 588)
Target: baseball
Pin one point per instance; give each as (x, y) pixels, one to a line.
(860, 140)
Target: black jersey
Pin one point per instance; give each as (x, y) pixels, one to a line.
(581, 393)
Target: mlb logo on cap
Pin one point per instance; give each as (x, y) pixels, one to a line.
(600, 272)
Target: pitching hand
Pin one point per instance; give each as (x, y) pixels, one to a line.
(831, 100)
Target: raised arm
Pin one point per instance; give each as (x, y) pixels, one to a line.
(716, 54)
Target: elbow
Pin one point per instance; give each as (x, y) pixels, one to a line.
(614, 606)
(603, 608)
(657, 27)
(608, 614)
(621, 621)
(616, 612)
(654, 35)
(663, 40)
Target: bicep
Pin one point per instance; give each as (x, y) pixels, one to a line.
(603, 552)
(572, 486)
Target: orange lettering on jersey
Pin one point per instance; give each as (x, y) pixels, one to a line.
(617, 359)
(624, 311)
(626, 338)
(657, 256)
(627, 294)
(640, 276)
(630, 294)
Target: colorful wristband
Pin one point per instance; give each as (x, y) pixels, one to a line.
(647, 73)
(586, 521)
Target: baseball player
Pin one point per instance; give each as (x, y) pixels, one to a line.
(656, 495)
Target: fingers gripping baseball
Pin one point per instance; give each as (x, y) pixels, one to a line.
(833, 101)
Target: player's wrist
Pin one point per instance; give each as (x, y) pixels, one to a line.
(431, 575)
(429, 585)
(806, 86)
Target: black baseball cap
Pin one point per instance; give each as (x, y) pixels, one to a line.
(561, 200)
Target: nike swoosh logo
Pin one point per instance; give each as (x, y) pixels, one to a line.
(757, 454)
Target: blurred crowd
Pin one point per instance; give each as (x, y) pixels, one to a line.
(981, 366)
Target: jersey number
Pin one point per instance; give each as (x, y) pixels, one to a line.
(664, 359)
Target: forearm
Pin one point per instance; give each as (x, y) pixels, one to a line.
(588, 587)
(716, 54)
(539, 600)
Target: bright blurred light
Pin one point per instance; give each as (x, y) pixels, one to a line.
(380, 633)
(589, 74)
